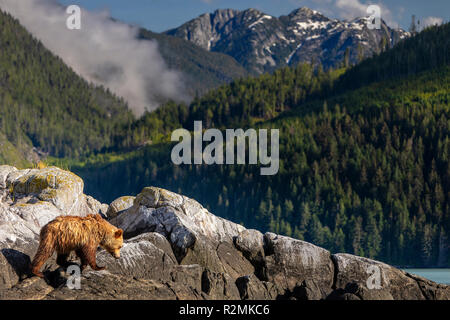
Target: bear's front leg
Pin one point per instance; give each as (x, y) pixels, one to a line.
(88, 257)
(84, 262)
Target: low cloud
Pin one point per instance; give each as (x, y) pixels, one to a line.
(351, 9)
(432, 21)
(104, 52)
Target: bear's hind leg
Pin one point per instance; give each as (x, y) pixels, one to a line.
(45, 251)
(61, 260)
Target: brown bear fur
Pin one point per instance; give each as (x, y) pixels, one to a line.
(80, 234)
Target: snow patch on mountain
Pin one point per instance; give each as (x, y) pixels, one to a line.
(262, 43)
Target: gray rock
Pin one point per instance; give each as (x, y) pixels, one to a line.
(187, 282)
(95, 206)
(233, 261)
(430, 289)
(148, 256)
(176, 249)
(251, 288)
(108, 286)
(29, 199)
(4, 172)
(219, 286)
(308, 290)
(364, 293)
(181, 220)
(29, 289)
(203, 253)
(289, 262)
(14, 266)
(251, 243)
(119, 205)
(372, 276)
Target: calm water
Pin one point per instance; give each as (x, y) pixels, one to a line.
(436, 275)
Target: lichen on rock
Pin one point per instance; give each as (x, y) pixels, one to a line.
(176, 249)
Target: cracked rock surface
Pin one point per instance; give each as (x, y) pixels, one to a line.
(176, 249)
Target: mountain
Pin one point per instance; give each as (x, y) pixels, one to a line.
(363, 168)
(176, 249)
(202, 70)
(262, 43)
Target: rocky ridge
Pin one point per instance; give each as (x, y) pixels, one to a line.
(261, 42)
(176, 249)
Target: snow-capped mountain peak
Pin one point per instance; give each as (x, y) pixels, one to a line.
(261, 42)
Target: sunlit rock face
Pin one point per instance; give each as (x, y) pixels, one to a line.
(29, 199)
(174, 248)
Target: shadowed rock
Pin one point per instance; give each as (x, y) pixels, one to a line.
(372, 276)
(176, 249)
(119, 205)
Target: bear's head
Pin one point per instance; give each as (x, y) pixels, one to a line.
(113, 241)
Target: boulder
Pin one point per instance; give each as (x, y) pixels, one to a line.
(374, 279)
(29, 199)
(61, 188)
(119, 205)
(289, 262)
(181, 220)
(167, 212)
(29, 289)
(147, 256)
(220, 258)
(233, 261)
(94, 206)
(186, 282)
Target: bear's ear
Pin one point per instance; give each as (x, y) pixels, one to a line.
(118, 233)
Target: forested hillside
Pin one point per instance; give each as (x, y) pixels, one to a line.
(43, 103)
(364, 171)
(427, 50)
(364, 151)
(202, 70)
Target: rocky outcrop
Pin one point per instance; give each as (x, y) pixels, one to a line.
(176, 249)
(28, 200)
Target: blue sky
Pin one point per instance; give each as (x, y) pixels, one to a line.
(160, 15)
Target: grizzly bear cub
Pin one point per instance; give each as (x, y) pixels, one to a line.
(82, 235)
